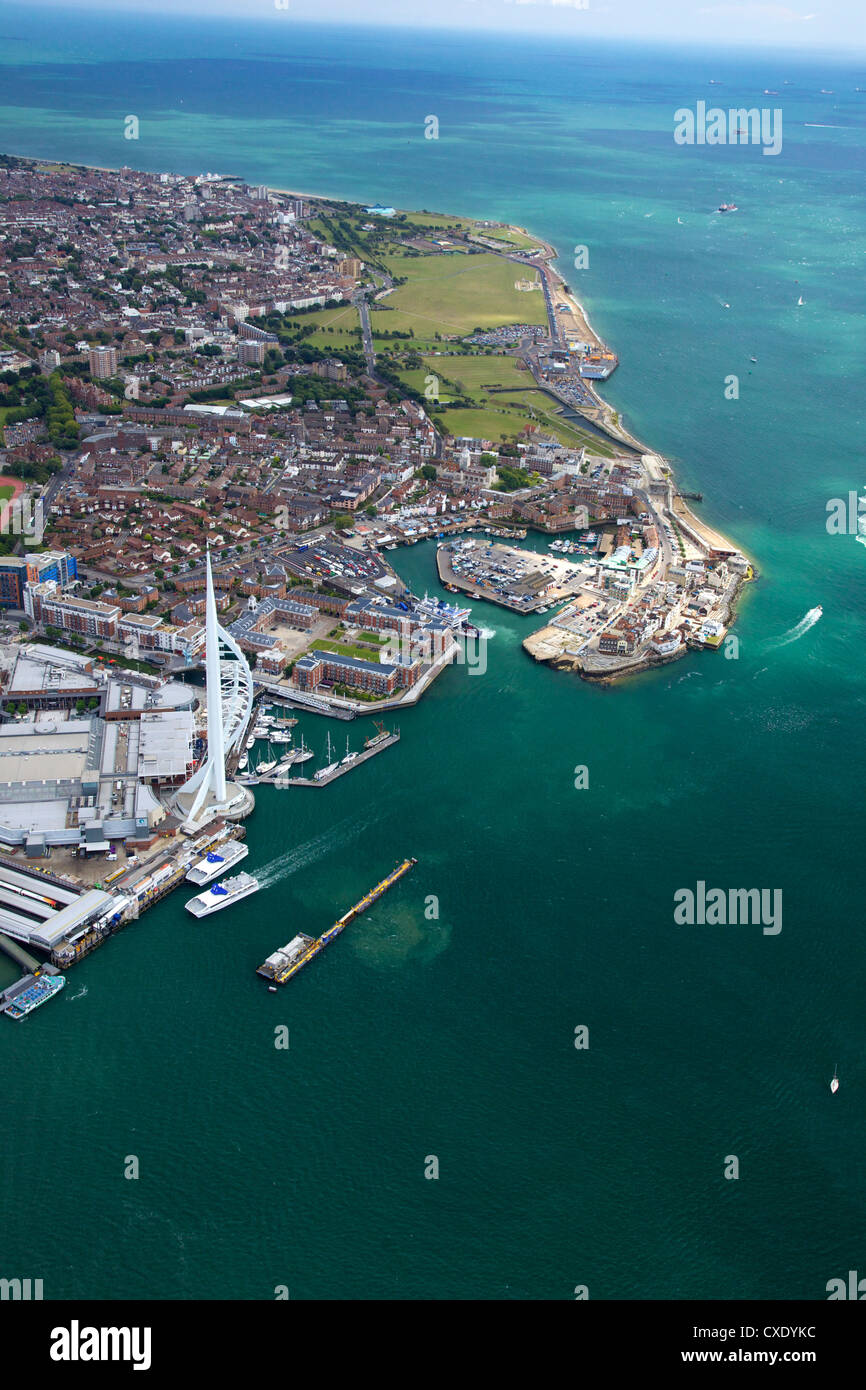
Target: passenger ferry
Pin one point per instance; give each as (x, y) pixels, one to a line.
(38, 993)
(217, 862)
(221, 895)
(449, 613)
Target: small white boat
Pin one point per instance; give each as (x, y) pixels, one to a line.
(799, 301)
(834, 1084)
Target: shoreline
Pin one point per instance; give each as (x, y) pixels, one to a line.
(557, 286)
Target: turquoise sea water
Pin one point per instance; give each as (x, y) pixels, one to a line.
(454, 1037)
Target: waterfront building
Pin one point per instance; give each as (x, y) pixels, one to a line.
(91, 774)
(45, 603)
(319, 667)
(251, 629)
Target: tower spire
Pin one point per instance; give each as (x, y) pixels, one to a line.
(229, 697)
(215, 738)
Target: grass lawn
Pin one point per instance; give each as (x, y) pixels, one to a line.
(370, 639)
(7, 492)
(445, 220)
(476, 373)
(473, 373)
(483, 423)
(359, 650)
(499, 411)
(454, 294)
(546, 416)
(519, 240)
(341, 322)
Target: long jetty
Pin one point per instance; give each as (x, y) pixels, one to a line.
(284, 964)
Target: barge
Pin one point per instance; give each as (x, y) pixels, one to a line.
(283, 964)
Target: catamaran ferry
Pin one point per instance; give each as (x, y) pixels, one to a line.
(221, 895)
(217, 862)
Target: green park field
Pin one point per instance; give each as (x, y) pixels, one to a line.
(505, 397)
(334, 328)
(452, 295)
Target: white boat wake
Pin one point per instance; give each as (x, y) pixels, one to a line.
(300, 856)
(803, 626)
(80, 995)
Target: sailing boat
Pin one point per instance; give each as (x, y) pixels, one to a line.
(799, 301)
(268, 765)
(304, 753)
(834, 1084)
(329, 767)
(350, 757)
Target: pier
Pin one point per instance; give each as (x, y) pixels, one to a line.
(283, 964)
(18, 954)
(299, 699)
(147, 884)
(284, 778)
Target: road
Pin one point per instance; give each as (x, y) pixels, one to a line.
(366, 334)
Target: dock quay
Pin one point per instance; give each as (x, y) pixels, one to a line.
(285, 779)
(147, 885)
(283, 964)
(299, 699)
